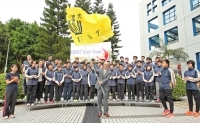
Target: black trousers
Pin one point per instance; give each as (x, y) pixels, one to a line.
(149, 92)
(113, 90)
(84, 92)
(131, 89)
(76, 88)
(58, 92)
(166, 93)
(120, 88)
(92, 91)
(49, 89)
(31, 93)
(24, 86)
(67, 91)
(10, 100)
(190, 95)
(140, 88)
(40, 88)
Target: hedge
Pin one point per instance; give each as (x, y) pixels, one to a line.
(3, 87)
(180, 89)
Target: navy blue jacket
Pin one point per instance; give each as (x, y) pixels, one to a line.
(68, 73)
(194, 77)
(130, 76)
(29, 75)
(139, 77)
(156, 70)
(121, 80)
(92, 78)
(49, 75)
(112, 80)
(84, 74)
(165, 79)
(59, 76)
(148, 78)
(134, 64)
(76, 77)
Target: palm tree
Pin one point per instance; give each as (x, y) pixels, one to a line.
(179, 54)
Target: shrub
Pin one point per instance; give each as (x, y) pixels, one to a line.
(180, 89)
(3, 87)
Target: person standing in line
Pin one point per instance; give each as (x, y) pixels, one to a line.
(192, 77)
(40, 85)
(67, 83)
(12, 81)
(76, 78)
(139, 71)
(121, 82)
(49, 84)
(130, 76)
(134, 63)
(59, 79)
(32, 75)
(148, 79)
(168, 82)
(143, 60)
(92, 79)
(157, 74)
(112, 82)
(84, 83)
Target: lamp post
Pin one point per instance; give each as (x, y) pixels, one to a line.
(7, 56)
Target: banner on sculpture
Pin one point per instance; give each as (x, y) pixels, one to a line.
(98, 51)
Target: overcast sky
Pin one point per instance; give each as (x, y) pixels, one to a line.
(127, 13)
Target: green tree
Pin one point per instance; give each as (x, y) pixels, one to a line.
(23, 40)
(115, 26)
(98, 7)
(53, 32)
(179, 54)
(85, 5)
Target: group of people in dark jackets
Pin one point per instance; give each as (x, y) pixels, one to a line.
(55, 79)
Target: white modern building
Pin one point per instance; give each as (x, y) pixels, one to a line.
(176, 22)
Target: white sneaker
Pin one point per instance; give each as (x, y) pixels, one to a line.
(153, 101)
(147, 100)
(28, 104)
(32, 104)
(5, 117)
(65, 101)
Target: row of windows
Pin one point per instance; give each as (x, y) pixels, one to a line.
(172, 36)
(168, 16)
(152, 6)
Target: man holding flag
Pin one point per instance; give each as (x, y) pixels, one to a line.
(103, 89)
(89, 29)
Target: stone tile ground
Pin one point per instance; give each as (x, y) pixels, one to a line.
(88, 114)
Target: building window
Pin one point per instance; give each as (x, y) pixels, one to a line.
(153, 24)
(151, 7)
(153, 42)
(198, 60)
(149, 12)
(196, 25)
(195, 4)
(169, 15)
(171, 36)
(148, 6)
(154, 2)
(155, 8)
(164, 2)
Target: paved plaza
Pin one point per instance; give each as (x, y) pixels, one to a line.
(88, 114)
